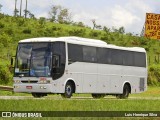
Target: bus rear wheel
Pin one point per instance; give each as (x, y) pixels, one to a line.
(38, 95)
(98, 95)
(68, 90)
(126, 91)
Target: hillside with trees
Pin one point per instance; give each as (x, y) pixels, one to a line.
(15, 28)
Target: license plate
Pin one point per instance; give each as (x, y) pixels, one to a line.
(29, 87)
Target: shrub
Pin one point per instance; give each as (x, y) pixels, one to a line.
(77, 32)
(5, 75)
(27, 31)
(21, 22)
(2, 16)
(104, 37)
(5, 39)
(94, 33)
(2, 25)
(42, 21)
(55, 28)
(154, 75)
(61, 33)
(9, 31)
(143, 41)
(49, 32)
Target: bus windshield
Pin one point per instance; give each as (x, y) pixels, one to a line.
(33, 59)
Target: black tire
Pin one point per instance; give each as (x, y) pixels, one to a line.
(126, 91)
(98, 96)
(38, 95)
(68, 90)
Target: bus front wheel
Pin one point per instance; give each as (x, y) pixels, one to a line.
(68, 90)
(126, 91)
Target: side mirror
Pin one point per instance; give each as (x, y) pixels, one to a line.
(56, 61)
(12, 61)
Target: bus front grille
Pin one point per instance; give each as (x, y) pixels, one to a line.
(27, 81)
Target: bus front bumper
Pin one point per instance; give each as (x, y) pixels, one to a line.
(32, 88)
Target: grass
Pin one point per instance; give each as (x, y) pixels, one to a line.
(79, 105)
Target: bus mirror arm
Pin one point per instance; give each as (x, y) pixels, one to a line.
(12, 60)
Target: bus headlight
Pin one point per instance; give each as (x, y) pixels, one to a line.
(17, 81)
(43, 87)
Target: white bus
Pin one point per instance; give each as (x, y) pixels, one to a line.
(68, 65)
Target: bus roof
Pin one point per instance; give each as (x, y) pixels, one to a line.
(82, 41)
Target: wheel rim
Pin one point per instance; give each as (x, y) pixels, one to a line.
(68, 90)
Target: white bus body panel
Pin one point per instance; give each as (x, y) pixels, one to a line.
(103, 78)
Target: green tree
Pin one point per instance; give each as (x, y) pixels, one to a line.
(26, 11)
(121, 30)
(129, 34)
(60, 14)
(31, 15)
(42, 21)
(54, 12)
(64, 16)
(107, 30)
(20, 8)
(80, 24)
(15, 9)
(94, 23)
(114, 29)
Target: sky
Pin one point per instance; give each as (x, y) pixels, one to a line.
(110, 13)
